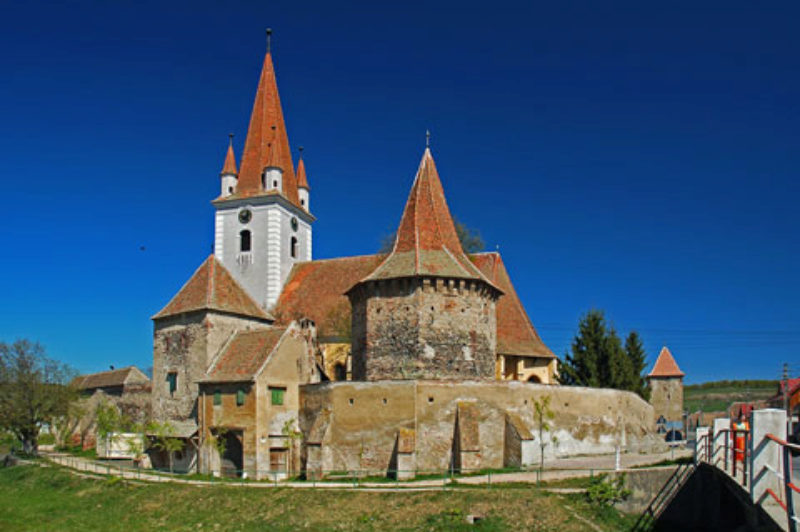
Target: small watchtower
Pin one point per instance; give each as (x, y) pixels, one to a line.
(666, 387)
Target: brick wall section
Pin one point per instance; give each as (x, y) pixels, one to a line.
(423, 328)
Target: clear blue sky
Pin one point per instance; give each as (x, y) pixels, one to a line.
(636, 157)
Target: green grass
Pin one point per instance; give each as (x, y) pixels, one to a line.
(718, 395)
(50, 498)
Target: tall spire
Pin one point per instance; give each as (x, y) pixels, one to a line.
(267, 133)
(230, 159)
(302, 181)
(427, 243)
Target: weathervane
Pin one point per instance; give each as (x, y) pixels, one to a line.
(427, 138)
(269, 40)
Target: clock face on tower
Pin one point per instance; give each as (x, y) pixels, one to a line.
(245, 215)
(294, 223)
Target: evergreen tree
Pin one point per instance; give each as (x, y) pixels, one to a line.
(598, 359)
(634, 350)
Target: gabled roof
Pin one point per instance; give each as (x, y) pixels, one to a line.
(266, 133)
(516, 335)
(666, 366)
(302, 180)
(316, 290)
(230, 161)
(244, 355)
(111, 378)
(426, 243)
(212, 287)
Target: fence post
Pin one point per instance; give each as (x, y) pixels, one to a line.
(766, 453)
(787, 481)
(720, 425)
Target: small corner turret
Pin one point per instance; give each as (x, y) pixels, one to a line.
(229, 176)
(303, 189)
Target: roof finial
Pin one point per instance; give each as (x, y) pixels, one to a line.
(230, 139)
(427, 138)
(269, 40)
(300, 149)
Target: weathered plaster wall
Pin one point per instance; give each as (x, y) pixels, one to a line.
(666, 396)
(186, 344)
(423, 329)
(356, 423)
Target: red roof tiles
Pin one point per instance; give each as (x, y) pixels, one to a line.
(230, 162)
(426, 241)
(267, 128)
(516, 335)
(244, 355)
(211, 287)
(302, 181)
(111, 378)
(666, 366)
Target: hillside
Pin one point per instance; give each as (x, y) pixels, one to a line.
(718, 395)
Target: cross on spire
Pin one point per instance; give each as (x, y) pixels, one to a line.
(427, 138)
(269, 40)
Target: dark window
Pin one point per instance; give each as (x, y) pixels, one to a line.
(274, 184)
(172, 382)
(239, 397)
(340, 372)
(244, 240)
(276, 395)
(230, 190)
(293, 247)
(302, 202)
(217, 398)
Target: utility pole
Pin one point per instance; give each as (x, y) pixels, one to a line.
(786, 398)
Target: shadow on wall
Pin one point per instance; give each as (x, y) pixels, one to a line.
(712, 501)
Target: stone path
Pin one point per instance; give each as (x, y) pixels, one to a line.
(554, 470)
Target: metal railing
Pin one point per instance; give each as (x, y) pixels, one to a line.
(785, 476)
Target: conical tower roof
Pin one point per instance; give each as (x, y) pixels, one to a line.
(230, 162)
(426, 243)
(302, 181)
(665, 365)
(267, 128)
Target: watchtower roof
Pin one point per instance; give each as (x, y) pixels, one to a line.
(665, 365)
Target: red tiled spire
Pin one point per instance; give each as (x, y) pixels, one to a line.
(267, 128)
(302, 182)
(230, 161)
(666, 366)
(426, 241)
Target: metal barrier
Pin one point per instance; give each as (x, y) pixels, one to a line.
(785, 476)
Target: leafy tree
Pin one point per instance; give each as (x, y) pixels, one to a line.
(598, 359)
(471, 240)
(542, 413)
(164, 440)
(34, 390)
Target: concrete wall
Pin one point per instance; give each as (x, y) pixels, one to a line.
(356, 423)
(423, 329)
(666, 396)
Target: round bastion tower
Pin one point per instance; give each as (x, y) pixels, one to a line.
(426, 312)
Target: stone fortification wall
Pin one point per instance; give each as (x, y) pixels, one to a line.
(357, 425)
(423, 328)
(666, 396)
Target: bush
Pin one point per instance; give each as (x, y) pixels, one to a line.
(604, 491)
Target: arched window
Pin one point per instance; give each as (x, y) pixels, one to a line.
(244, 240)
(293, 247)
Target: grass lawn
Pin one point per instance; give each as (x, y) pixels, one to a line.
(50, 498)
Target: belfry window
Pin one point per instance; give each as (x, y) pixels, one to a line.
(293, 247)
(172, 382)
(244, 240)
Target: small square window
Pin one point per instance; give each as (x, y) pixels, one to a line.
(217, 398)
(239, 397)
(276, 395)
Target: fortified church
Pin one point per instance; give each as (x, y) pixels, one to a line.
(268, 362)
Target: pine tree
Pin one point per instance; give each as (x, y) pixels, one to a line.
(634, 350)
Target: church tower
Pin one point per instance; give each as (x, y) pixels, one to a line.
(262, 225)
(666, 387)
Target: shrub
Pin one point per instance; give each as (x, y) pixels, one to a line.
(604, 491)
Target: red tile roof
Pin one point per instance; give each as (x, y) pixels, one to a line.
(426, 241)
(666, 366)
(516, 335)
(230, 161)
(316, 290)
(267, 128)
(212, 287)
(111, 378)
(244, 355)
(302, 181)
